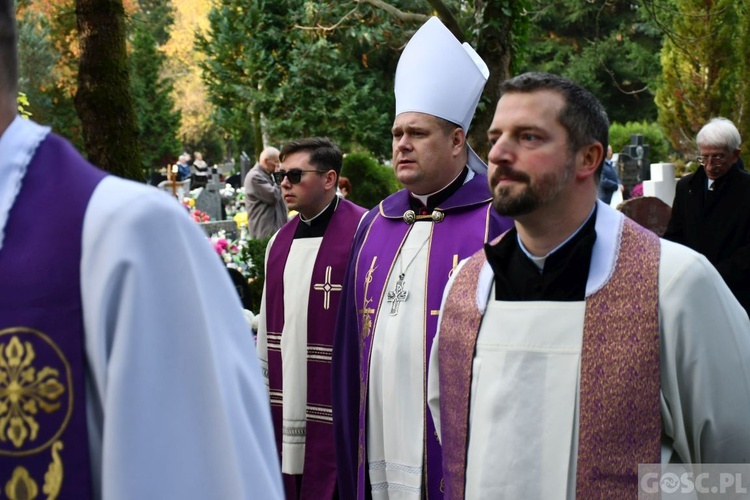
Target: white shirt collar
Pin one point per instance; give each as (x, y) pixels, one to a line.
(423, 197)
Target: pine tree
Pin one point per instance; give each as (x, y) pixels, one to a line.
(158, 123)
(701, 59)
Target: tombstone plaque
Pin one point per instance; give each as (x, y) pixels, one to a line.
(245, 165)
(209, 199)
(228, 226)
(639, 151)
(648, 211)
(629, 171)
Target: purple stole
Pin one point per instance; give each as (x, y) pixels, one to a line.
(469, 222)
(43, 434)
(620, 416)
(319, 477)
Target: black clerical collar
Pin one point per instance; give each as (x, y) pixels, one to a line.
(565, 272)
(435, 199)
(316, 226)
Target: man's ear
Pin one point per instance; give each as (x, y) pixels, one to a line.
(736, 155)
(589, 158)
(331, 180)
(458, 140)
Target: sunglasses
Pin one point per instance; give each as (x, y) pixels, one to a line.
(294, 175)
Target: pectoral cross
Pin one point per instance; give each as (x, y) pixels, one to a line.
(397, 295)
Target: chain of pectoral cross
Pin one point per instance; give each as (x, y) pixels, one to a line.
(399, 294)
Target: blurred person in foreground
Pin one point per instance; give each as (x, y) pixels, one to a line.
(111, 384)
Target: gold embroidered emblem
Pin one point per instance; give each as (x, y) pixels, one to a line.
(367, 311)
(54, 476)
(327, 288)
(21, 486)
(36, 399)
(24, 391)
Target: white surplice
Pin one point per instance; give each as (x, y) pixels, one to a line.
(523, 429)
(175, 399)
(396, 392)
(297, 278)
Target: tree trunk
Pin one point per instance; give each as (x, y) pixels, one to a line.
(104, 101)
(493, 42)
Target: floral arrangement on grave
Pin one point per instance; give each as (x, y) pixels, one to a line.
(233, 253)
(233, 199)
(199, 216)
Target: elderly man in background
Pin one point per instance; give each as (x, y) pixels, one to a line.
(266, 210)
(711, 211)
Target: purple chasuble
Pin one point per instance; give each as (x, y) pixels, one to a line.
(43, 433)
(319, 476)
(469, 222)
(620, 415)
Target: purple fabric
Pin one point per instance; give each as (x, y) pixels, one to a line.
(41, 307)
(469, 222)
(319, 477)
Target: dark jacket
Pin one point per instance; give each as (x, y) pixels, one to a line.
(609, 182)
(716, 224)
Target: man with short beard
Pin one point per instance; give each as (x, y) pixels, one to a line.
(579, 345)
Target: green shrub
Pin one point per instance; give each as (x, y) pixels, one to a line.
(371, 182)
(254, 253)
(660, 149)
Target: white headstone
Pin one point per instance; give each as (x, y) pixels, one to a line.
(662, 184)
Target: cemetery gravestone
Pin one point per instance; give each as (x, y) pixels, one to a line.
(628, 170)
(228, 226)
(245, 165)
(178, 189)
(662, 184)
(209, 199)
(648, 211)
(639, 152)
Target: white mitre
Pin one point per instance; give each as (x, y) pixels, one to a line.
(439, 76)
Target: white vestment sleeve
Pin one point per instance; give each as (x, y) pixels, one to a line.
(705, 369)
(176, 403)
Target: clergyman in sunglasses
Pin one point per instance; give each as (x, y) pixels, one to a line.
(305, 266)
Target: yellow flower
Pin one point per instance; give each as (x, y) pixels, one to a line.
(240, 218)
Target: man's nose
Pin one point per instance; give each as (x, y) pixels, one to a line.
(403, 143)
(501, 150)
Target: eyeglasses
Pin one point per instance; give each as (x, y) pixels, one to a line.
(294, 175)
(717, 159)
